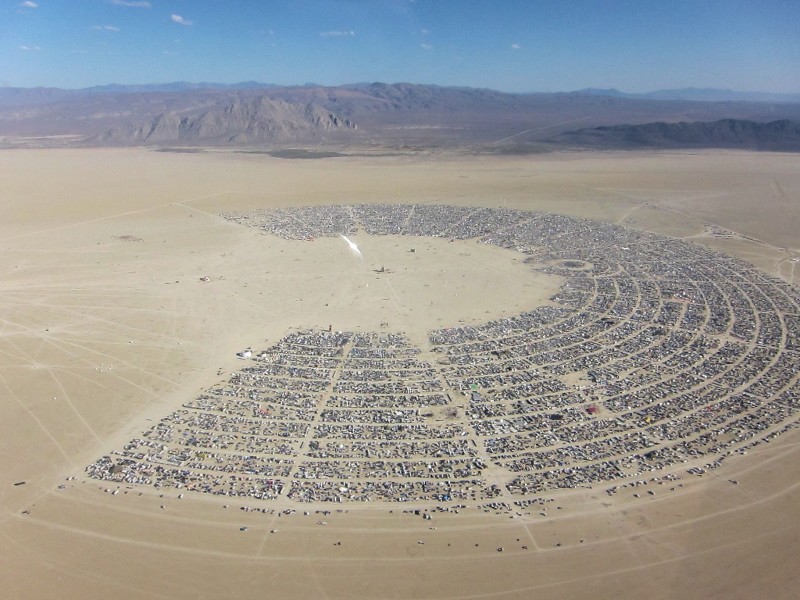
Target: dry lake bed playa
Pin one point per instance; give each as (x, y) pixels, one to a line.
(125, 294)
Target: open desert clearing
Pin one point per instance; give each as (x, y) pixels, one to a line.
(107, 326)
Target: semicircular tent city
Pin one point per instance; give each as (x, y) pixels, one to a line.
(655, 357)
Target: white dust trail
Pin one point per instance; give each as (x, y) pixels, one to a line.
(353, 247)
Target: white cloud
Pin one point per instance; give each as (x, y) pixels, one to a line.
(131, 3)
(28, 4)
(424, 31)
(347, 33)
(426, 46)
(29, 48)
(515, 46)
(105, 27)
(180, 20)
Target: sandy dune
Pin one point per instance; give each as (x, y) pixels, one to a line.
(106, 326)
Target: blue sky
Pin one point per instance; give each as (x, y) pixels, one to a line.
(509, 45)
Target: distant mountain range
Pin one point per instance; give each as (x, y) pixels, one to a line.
(782, 135)
(175, 86)
(380, 115)
(9, 95)
(696, 95)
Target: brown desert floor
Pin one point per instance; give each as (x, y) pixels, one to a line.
(106, 327)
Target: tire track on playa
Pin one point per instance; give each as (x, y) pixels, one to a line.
(635, 207)
(103, 504)
(20, 354)
(510, 137)
(76, 373)
(685, 522)
(119, 361)
(360, 560)
(13, 513)
(789, 211)
(609, 573)
(117, 215)
(787, 203)
(205, 212)
(87, 222)
(71, 404)
(87, 318)
(80, 351)
(255, 558)
(83, 319)
(322, 593)
(655, 203)
(36, 419)
(270, 527)
(790, 254)
(60, 346)
(398, 304)
(60, 567)
(398, 559)
(260, 558)
(526, 528)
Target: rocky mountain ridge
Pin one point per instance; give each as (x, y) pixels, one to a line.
(253, 120)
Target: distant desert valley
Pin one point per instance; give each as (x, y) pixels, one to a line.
(398, 341)
(401, 116)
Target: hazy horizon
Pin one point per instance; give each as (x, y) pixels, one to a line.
(511, 46)
(251, 84)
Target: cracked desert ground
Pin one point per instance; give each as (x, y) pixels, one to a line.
(105, 327)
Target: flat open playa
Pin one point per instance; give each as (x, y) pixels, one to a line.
(126, 294)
